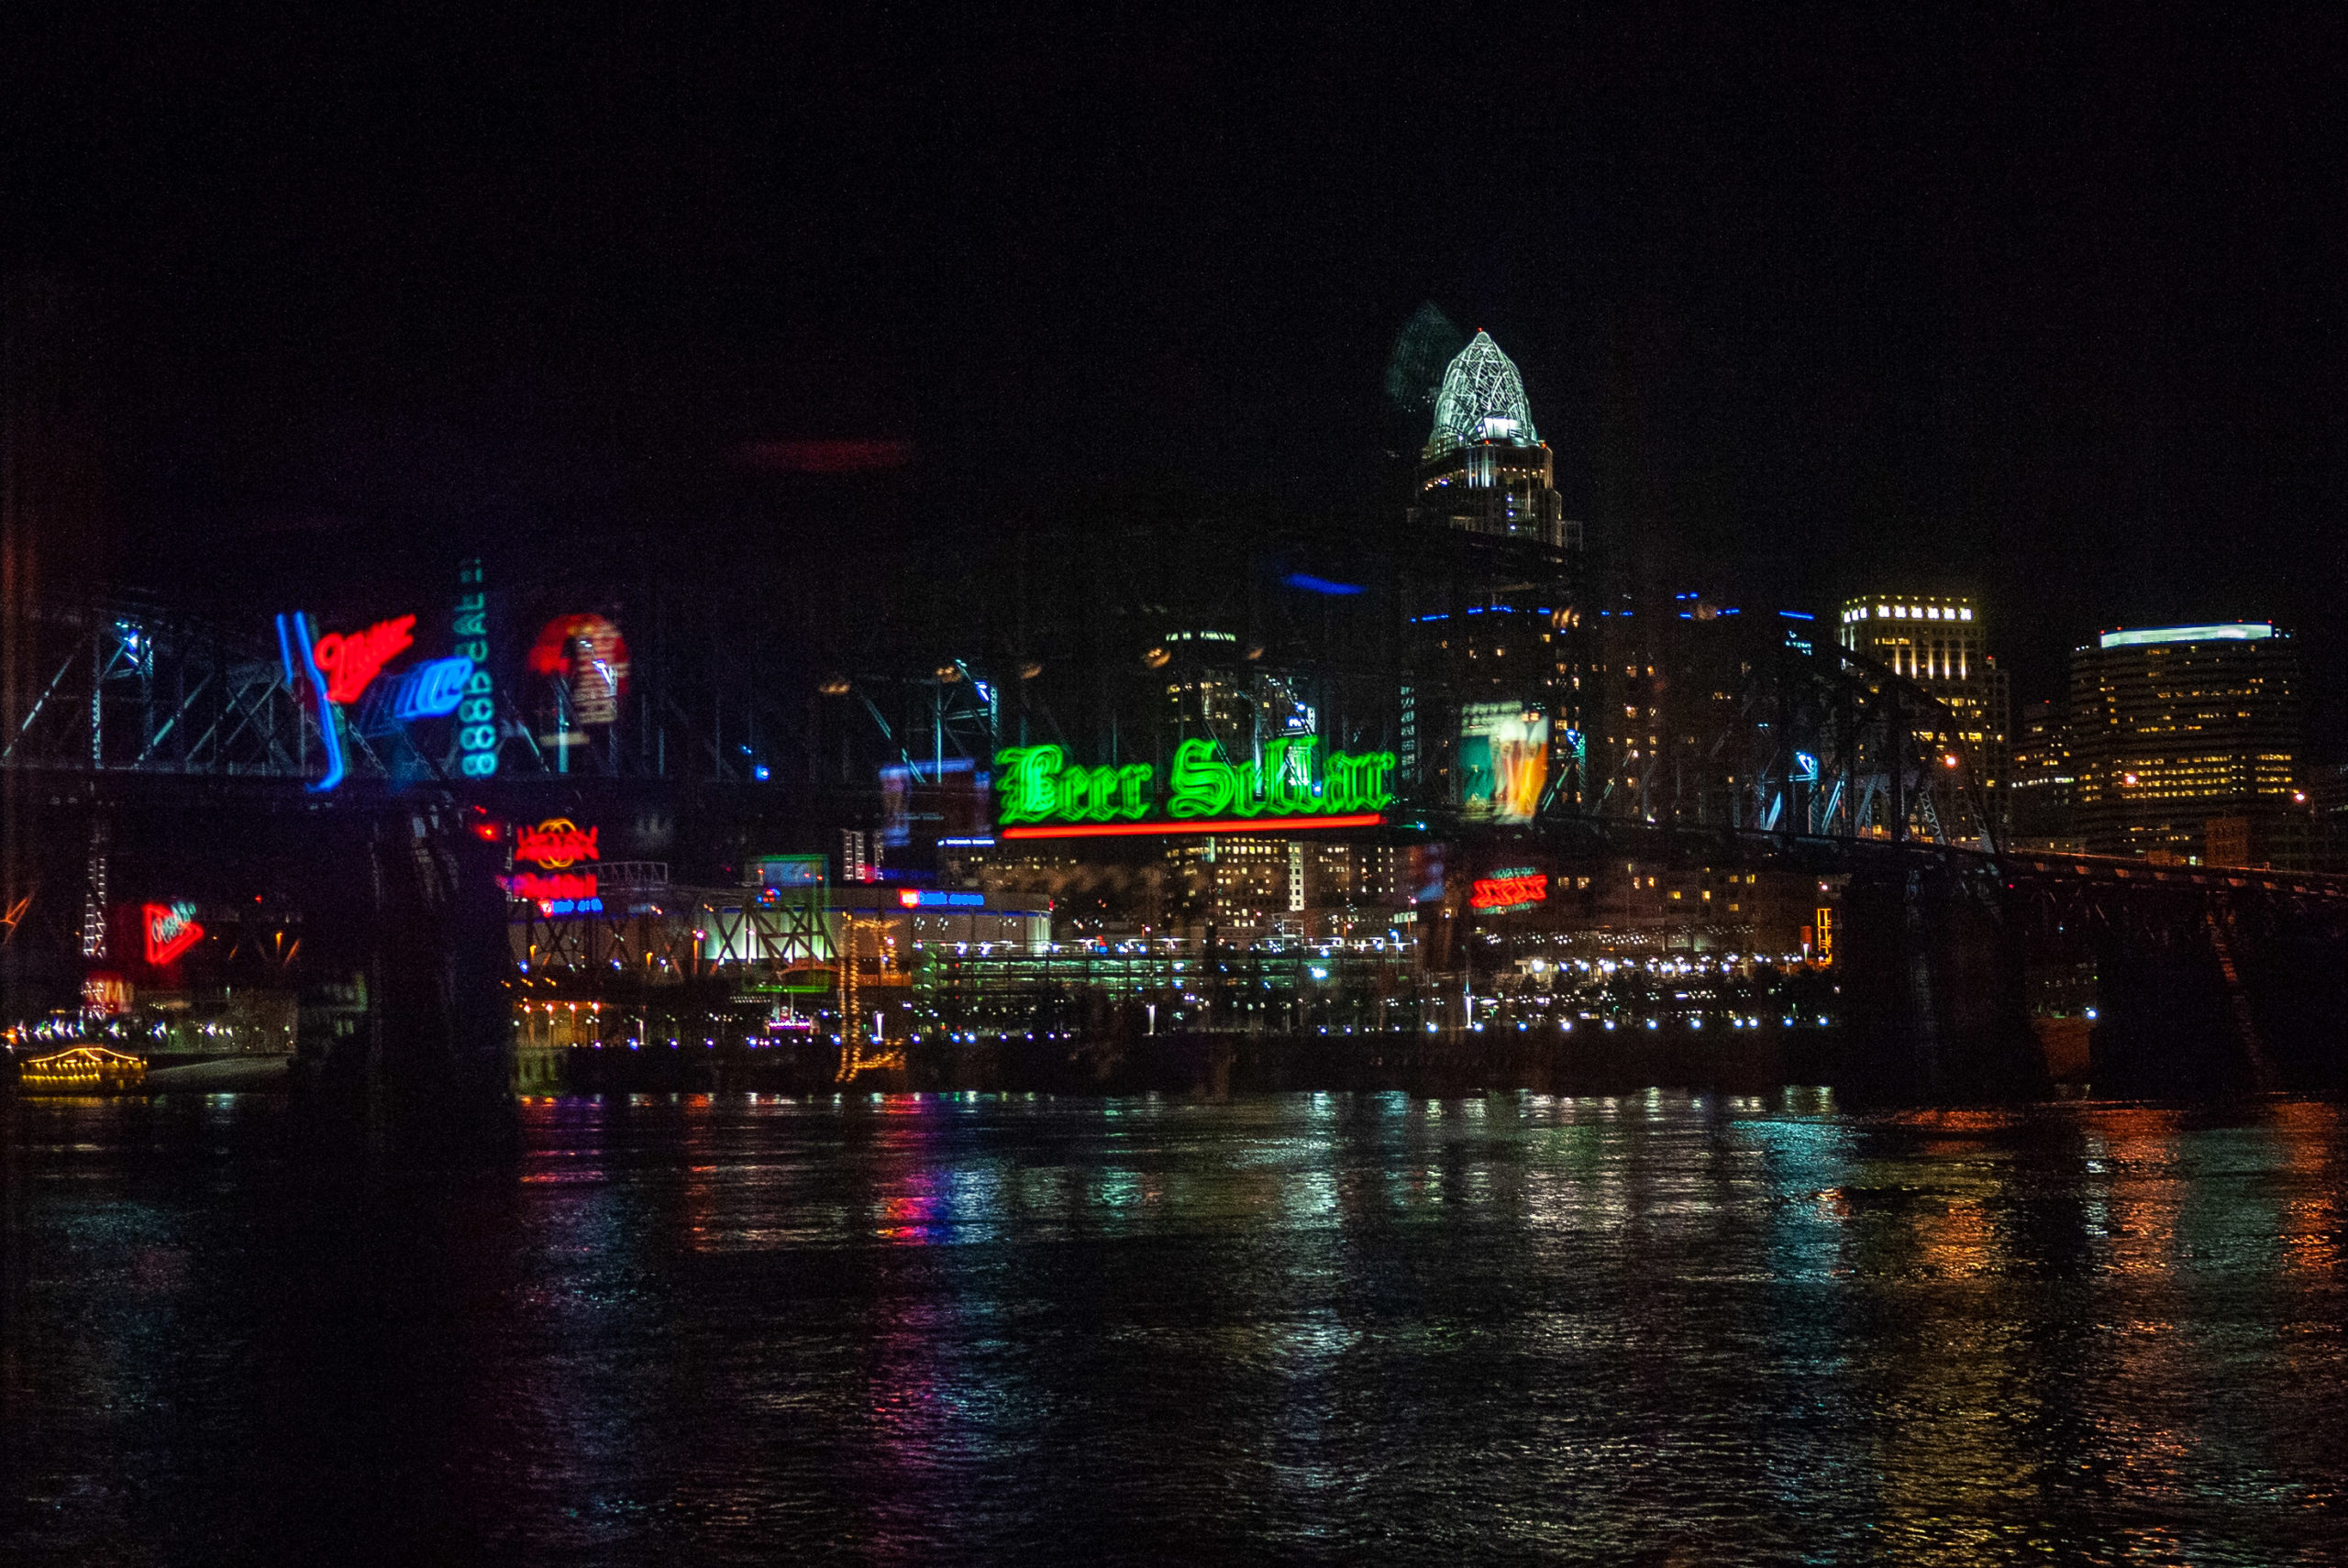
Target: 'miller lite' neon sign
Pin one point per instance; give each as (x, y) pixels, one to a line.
(1043, 796)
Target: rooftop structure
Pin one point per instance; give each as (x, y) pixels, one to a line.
(1481, 399)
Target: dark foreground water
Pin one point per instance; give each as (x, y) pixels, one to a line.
(1316, 1328)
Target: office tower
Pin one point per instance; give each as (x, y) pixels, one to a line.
(2172, 726)
(2038, 793)
(1495, 660)
(1937, 641)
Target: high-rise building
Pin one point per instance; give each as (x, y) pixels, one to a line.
(1495, 660)
(1937, 641)
(2174, 725)
(2038, 794)
(1485, 469)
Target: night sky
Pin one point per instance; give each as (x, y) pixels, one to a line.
(2043, 304)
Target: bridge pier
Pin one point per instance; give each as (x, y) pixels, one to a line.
(429, 1078)
(1928, 985)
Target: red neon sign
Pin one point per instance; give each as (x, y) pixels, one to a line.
(350, 661)
(556, 843)
(1221, 824)
(1508, 891)
(170, 931)
(535, 886)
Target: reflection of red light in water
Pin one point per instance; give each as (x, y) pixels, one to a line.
(918, 1209)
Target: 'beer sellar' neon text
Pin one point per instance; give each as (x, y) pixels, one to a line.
(1037, 784)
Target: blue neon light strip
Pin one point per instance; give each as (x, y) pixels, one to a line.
(299, 637)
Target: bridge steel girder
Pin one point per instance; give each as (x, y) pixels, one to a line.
(1756, 735)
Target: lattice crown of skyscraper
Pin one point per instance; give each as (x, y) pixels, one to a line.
(1482, 399)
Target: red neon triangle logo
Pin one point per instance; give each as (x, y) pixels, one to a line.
(171, 930)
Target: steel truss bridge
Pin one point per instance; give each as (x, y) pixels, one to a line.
(1755, 735)
(127, 686)
(1765, 754)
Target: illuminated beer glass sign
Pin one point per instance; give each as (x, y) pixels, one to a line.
(1042, 795)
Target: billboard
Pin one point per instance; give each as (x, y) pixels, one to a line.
(587, 655)
(1504, 761)
(926, 802)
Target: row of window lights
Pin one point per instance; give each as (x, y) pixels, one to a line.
(1908, 613)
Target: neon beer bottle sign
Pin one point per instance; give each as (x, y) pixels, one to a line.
(337, 668)
(1296, 783)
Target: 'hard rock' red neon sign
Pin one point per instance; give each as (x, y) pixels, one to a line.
(556, 843)
(349, 660)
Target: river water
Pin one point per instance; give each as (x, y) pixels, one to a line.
(1656, 1328)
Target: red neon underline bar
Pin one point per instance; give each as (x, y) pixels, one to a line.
(1222, 824)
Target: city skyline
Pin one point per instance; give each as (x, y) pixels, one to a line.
(916, 784)
(1989, 349)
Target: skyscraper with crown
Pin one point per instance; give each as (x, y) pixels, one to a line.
(1495, 652)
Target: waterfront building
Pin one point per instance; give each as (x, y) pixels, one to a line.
(1246, 888)
(1263, 884)
(1496, 657)
(1939, 641)
(2172, 726)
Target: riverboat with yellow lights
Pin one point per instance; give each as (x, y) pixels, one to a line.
(83, 1069)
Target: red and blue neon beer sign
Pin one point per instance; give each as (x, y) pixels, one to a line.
(335, 669)
(1296, 784)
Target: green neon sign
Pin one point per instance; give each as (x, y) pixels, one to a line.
(1295, 779)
